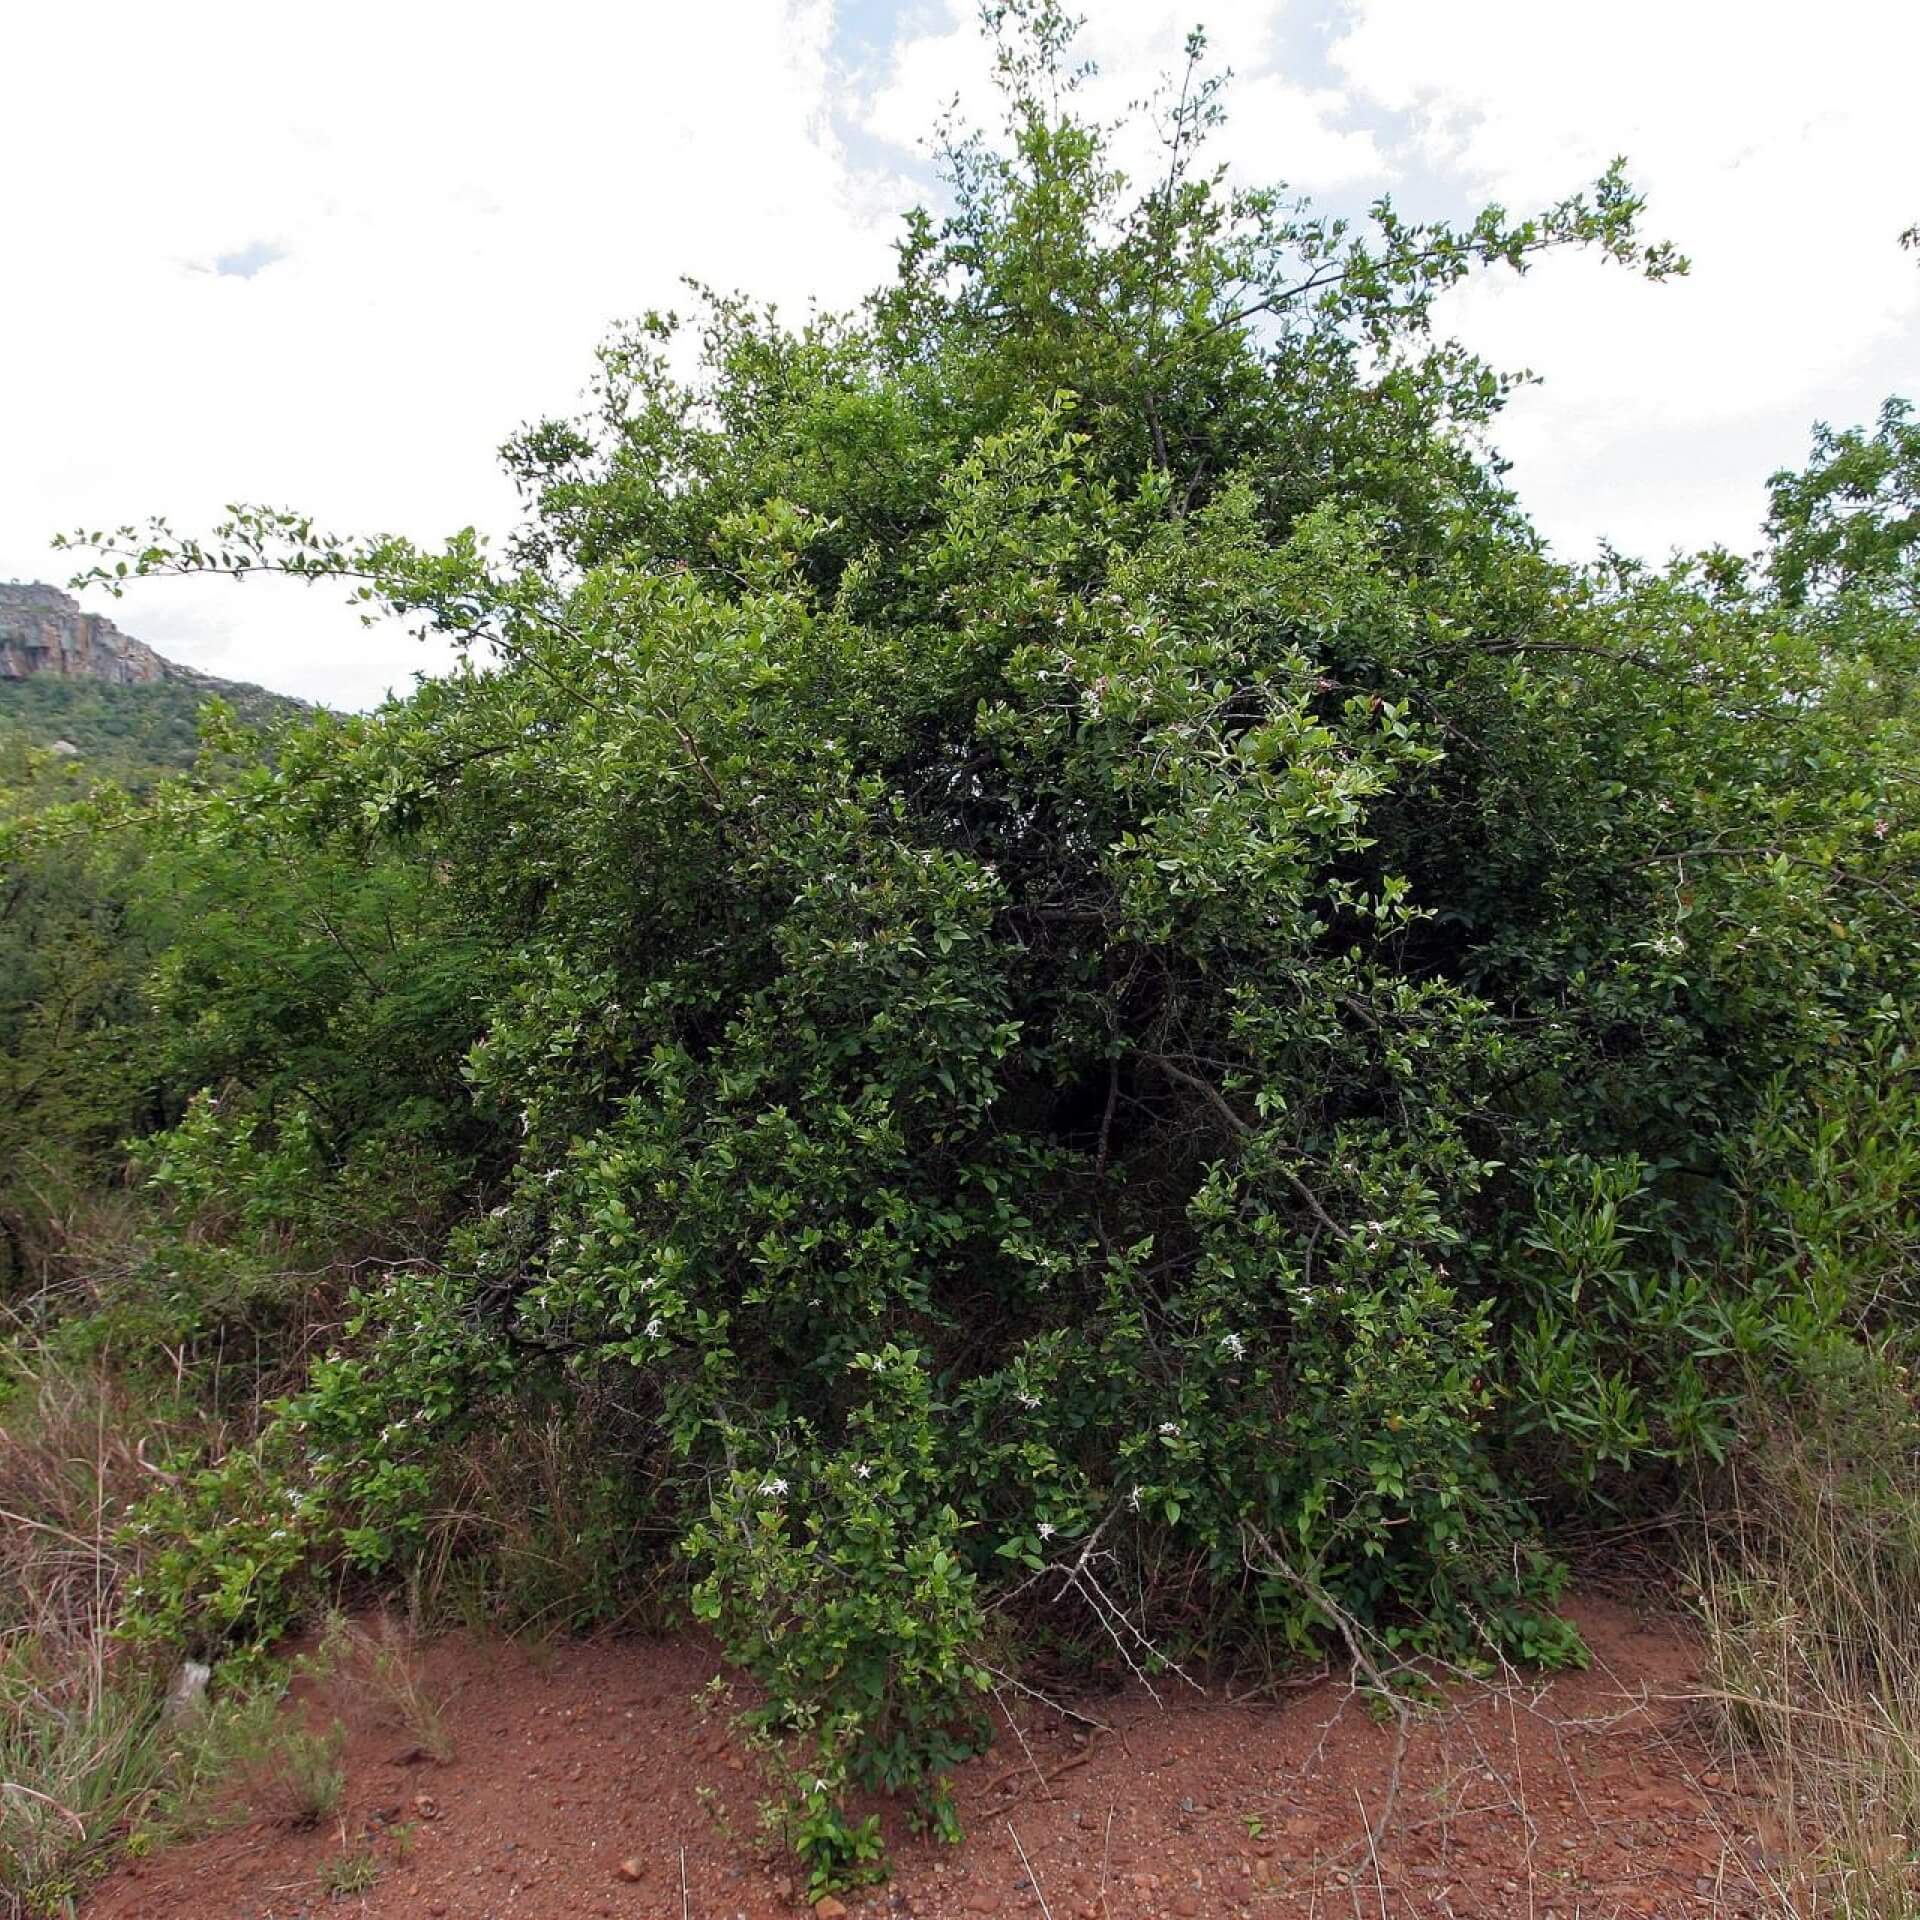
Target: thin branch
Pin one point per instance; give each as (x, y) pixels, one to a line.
(1832, 872)
(1033, 1879)
(1245, 1130)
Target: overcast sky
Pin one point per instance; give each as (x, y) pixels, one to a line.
(329, 258)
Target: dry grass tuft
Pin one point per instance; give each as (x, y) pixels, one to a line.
(1810, 1594)
(82, 1745)
(378, 1665)
(89, 1756)
(295, 1776)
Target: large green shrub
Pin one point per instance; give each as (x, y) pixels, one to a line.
(1083, 977)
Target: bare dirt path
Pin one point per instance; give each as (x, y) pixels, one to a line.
(1586, 1797)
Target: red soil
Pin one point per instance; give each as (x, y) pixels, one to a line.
(1588, 1796)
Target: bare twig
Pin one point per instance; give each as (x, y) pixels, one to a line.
(1046, 1700)
(1032, 1877)
(1218, 1101)
(1349, 1629)
(1106, 1853)
(1379, 1885)
(1013, 1726)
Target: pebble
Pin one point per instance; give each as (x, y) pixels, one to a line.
(631, 1870)
(828, 1908)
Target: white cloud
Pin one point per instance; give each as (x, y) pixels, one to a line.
(1775, 144)
(428, 215)
(1774, 140)
(461, 200)
(1277, 129)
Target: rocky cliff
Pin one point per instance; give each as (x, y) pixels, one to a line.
(45, 631)
(74, 685)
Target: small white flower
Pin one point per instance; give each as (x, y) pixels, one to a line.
(1170, 1429)
(776, 1486)
(1881, 829)
(863, 1471)
(1234, 1345)
(1027, 1399)
(653, 1327)
(1045, 1529)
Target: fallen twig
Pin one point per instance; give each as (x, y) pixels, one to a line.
(1046, 1778)
(1033, 1878)
(1106, 1850)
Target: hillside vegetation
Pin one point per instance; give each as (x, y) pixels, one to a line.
(1045, 988)
(131, 734)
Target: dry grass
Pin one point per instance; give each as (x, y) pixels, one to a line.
(377, 1665)
(90, 1758)
(89, 1755)
(82, 1740)
(543, 1533)
(292, 1775)
(1810, 1593)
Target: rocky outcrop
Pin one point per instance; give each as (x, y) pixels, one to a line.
(43, 630)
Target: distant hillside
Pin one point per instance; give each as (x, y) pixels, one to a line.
(71, 676)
